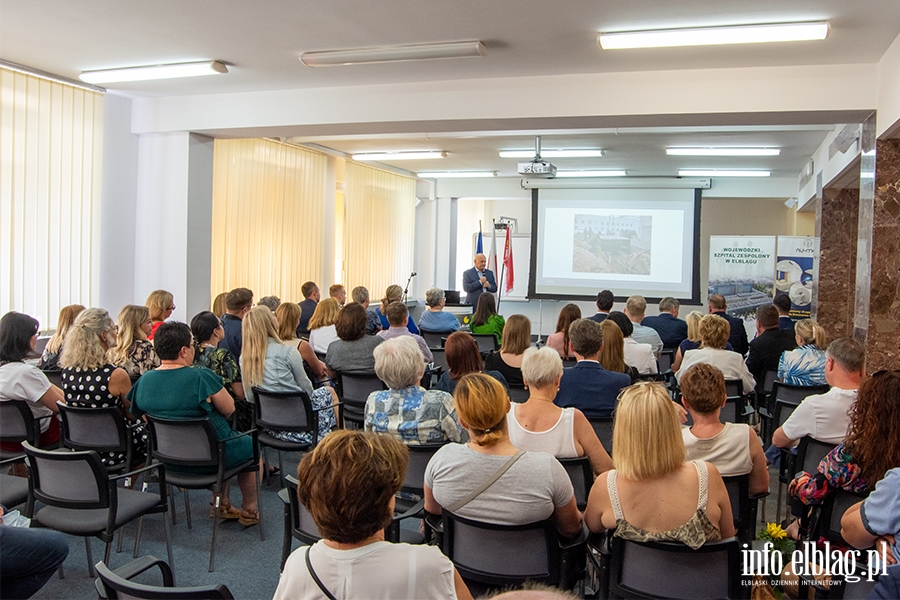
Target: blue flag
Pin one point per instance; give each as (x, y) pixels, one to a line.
(479, 245)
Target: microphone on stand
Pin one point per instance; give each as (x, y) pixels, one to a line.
(406, 289)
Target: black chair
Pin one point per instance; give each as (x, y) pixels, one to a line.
(487, 342)
(298, 523)
(736, 409)
(82, 499)
(13, 490)
(18, 425)
(55, 377)
(664, 362)
(113, 585)
(433, 338)
(784, 392)
(744, 507)
(98, 429)
(669, 570)
(568, 363)
(440, 359)
(603, 427)
(518, 393)
(825, 519)
(286, 412)
(582, 476)
(506, 555)
(354, 391)
(192, 444)
(413, 485)
(809, 453)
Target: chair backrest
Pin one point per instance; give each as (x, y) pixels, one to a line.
(440, 359)
(738, 487)
(568, 363)
(17, 424)
(355, 389)
(285, 411)
(487, 342)
(501, 554)
(827, 523)
(433, 338)
(810, 453)
(603, 427)
(582, 476)
(734, 388)
(783, 410)
(69, 479)
(55, 377)
(419, 455)
(187, 443)
(302, 524)
(711, 571)
(116, 587)
(98, 429)
(769, 381)
(665, 360)
(794, 394)
(518, 393)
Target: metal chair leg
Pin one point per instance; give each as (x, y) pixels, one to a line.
(262, 537)
(286, 541)
(90, 557)
(187, 507)
(212, 547)
(778, 505)
(137, 538)
(60, 572)
(106, 553)
(280, 469)
(121, 535)
(169, 548)
(172, 502)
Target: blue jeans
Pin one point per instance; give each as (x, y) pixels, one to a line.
(28, 558)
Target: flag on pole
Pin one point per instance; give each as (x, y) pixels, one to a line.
(509, 275)
(492, 255)
(479, 245)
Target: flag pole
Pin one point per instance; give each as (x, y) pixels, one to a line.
(500, 281)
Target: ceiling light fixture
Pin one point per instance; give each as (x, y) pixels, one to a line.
(591, 173)
(723, 151)
(456, 174)
(150, 72)
(717, 173)
(357, 56)
(414, 155)
(709, 36)
(583, 153)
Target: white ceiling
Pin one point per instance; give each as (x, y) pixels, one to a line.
(262, 41)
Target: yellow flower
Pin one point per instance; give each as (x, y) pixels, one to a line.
(775, 531)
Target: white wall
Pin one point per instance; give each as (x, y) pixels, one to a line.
(888, 121)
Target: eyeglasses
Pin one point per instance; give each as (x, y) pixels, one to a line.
(172, 307)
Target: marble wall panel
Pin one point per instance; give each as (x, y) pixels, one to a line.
(836, 228)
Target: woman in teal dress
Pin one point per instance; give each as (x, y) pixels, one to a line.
(177, 391)
(486, 319)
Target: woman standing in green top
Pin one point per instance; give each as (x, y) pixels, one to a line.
(486, 319)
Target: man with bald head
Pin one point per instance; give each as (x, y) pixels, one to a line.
(478, 279)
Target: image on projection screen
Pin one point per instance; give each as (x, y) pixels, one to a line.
(612, 244)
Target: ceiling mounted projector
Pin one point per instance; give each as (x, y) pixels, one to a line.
(537, 167)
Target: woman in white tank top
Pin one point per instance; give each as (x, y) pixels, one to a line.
(538, 425)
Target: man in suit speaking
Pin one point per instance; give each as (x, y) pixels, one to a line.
(478, 279)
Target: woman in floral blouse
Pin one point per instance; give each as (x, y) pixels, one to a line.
(133, 351)
(208, 332)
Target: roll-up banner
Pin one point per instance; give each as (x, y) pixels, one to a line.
(794, 273)
(741, 268)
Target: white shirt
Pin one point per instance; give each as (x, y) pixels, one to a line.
(19, 381)
(647, 335)
(321, 337)
(823, 416)
(640, 356)
(730, 363)
(559, 440)
(380, 570)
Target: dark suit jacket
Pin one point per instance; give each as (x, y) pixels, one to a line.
(473, 287)
(591, 389)
(233, 339)
(766, 350)
(672, 330)
(738, 337)
(599, 317)
(307, 308)
(786, 323)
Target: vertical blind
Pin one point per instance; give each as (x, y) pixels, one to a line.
(50, 161)
(267, 217)
(379, 228)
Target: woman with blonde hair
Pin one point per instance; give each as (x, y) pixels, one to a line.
(288, 315)
(219, 307)
(693, 338)
(393, 293)
(50, 357)
(90, 381)
(508, 360)
(612, 352)
(321, 325)
(534, 485)
(133, 350)
(714, 332)
(806, 364)
(268, 364)
(161, 304)
(653, 494)
(559, 341)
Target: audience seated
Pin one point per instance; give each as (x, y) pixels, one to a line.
(435, 319)
(398, 318)
(588, 386)
(393, 293)
(533, 488)
(635, 307)
(311, 295)
(338, 292)
(133, 350)
(486, 320)
(160, 303)
(321, 325)
(806, 364)
(559, 340)
(406, 410)
(21, 381)
(713, 337)
(354, 351)
(605, 301)
(360, 295)
(50, 356)
(672, 330)
(612, 351)
(738, 333)
(348, 485)
(770, 342)
(238, 303)
(783, 303)
(723, 444)
(89, 381)
(174, 391)
(659, 496)
(208, 332)
(463, 357)
(268, 364)
(508, 359)
(538, 425)
(288, 317)
(640, 356)
(28, 558)
(272, 302)
(692, 342)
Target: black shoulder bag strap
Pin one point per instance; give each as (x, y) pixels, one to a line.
(315, 577)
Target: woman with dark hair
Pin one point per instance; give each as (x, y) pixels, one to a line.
(638, 355)
(463, 357)
(20, 381)
(612, 352)
(50, 357)
(353, 351)
(486, 319)
(208, 332)
(559, 341)
(348, 483)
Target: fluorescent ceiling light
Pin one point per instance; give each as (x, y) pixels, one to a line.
(591, 173)
(400, 155)
(708, 36)
(194, 69)
(723, 151)
(456, 174)
(717, 173)
(583, 153)
(356, 56)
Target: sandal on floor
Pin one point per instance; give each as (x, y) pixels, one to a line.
(225, 513)
(253, 519)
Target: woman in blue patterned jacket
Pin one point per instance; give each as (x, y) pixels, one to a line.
(806, 364)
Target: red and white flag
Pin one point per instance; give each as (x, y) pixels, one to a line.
(492, 255)
(509, 275)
